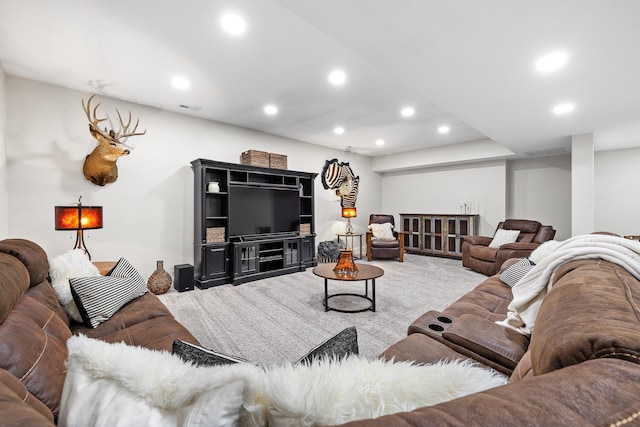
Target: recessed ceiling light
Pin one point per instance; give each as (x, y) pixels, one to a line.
(551, 62)
(271, 109)
(233, 24)
(443, 129)
(181, 83)
(339, 130)
(379, 142)
(337, 77)
(407, 112)
(564, 108)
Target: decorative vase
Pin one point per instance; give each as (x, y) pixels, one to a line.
(345, 265)
(213, 187)
(159, 281)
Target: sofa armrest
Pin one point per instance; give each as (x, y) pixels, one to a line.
(491, 341)
(519, 246)
(596, 392)
(478, 240)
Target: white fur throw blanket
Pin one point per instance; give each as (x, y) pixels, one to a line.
(530, 291)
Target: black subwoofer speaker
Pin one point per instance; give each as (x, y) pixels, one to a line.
(183, 277)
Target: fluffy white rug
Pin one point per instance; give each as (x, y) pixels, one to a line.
(115, 384)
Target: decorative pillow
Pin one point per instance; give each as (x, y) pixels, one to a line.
(343, 344)
(100, 297)
(382, 231)
(516, 271)
(109, 384)
(74, 263)
(502, 237)
(201, 356)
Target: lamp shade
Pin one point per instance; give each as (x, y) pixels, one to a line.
(78, 217)
(348, 212)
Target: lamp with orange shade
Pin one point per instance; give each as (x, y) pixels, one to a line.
(79, 218)
(349, 213)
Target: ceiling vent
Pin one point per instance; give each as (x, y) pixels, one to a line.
(190, 107)
(547, 152)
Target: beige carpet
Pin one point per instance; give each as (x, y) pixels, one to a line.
(281, 318)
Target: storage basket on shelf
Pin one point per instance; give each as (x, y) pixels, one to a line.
(215, 234)
(277, 161)
(255, 158)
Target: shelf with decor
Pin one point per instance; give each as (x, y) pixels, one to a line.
(251, 222)
(437, 234)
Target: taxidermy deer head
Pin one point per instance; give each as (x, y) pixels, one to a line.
(100, 166)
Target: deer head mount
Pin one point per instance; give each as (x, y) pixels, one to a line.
(100, 166)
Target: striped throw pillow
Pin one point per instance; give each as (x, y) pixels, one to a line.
(516, 271)
(100, 297)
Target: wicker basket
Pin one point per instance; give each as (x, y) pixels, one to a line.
(305, 229)
(277, 161)
(215, 235)
(255, 158)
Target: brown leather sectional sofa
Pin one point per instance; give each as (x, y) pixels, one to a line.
(34, 328)
(580, 367)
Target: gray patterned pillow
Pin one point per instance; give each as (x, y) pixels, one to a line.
(339, 346)
(516, 271)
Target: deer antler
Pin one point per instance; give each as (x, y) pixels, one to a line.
(125, 128)
(93, 120)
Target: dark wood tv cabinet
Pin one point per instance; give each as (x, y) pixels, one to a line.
(221, 257)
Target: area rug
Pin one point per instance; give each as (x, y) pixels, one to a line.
(281, 318)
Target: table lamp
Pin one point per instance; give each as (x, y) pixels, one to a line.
(78, 218)
(349, 213)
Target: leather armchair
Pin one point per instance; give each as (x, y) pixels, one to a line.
(478, 256)
(386, 249)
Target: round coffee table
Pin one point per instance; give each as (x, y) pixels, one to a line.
(365, 272)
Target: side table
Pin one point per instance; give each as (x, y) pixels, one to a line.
(352, 236)
(104, 266)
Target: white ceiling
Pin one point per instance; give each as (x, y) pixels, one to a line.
(468, 64)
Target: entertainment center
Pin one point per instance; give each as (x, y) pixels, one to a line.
(250, 222)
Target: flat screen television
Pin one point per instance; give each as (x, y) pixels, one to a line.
(261, 210)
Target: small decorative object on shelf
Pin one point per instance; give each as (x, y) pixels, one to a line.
(345, 265)
(305, 229)
(159, 281)
(213, 187)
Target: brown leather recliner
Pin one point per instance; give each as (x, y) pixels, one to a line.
(387, 249)
(478, 256)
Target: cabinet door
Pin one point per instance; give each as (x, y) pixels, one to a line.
(433, 234)
(216, 261)
(411, 225)
(291, 252)
(246, 259)
(307, 251)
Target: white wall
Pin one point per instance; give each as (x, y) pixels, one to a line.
(540, 189)
(617, 191)
(443, 189)
(4, 190)
(148, 212)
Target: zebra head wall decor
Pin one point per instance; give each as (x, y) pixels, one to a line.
(339, 176)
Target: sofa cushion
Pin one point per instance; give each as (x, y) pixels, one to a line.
(31, 255)
(524, 225)
(19, 407)
(588, 300)
(100, 297)
(14, 282)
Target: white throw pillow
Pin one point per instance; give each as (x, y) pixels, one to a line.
(120, 385)
(382, 231)
(74, 263)
(502, 237)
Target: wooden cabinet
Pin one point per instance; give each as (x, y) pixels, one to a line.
(276, 206)
(437, 234)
